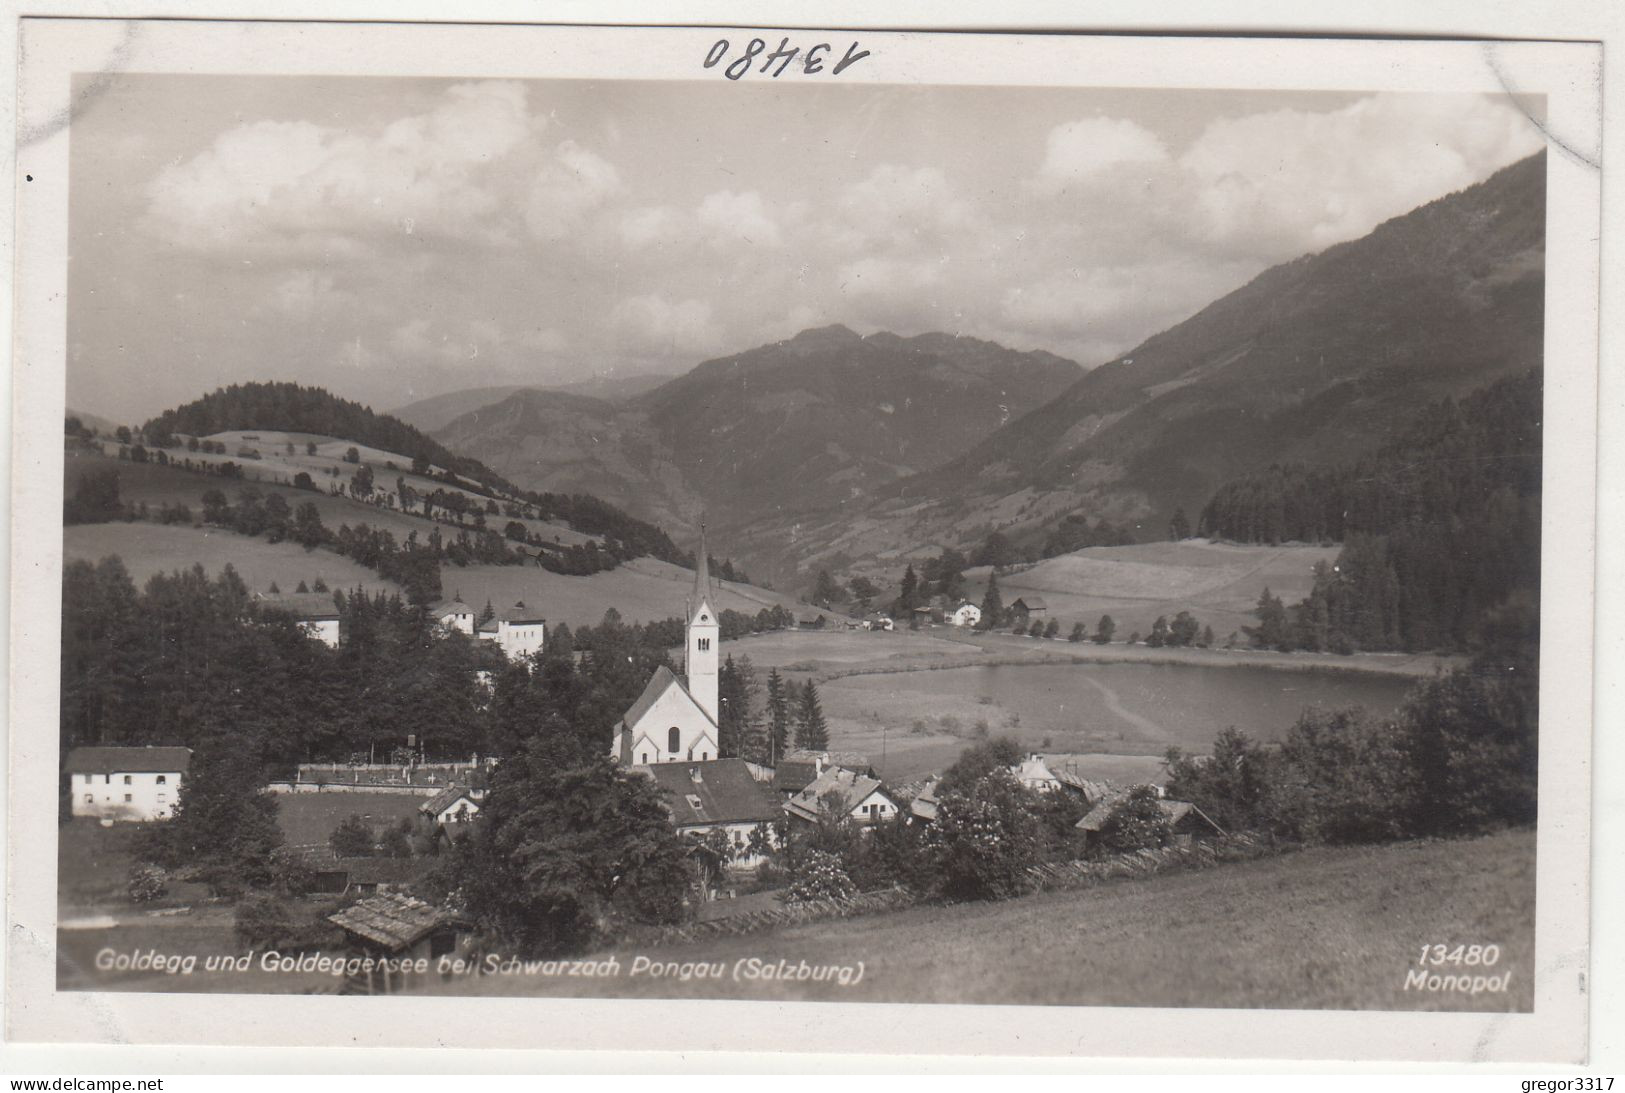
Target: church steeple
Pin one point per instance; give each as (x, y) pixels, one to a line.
(701, 656)
(702, 580)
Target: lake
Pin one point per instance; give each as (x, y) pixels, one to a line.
(1098, 707)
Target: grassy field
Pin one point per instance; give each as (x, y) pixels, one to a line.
(309, 818)
(1318, 929)
(154, 548)
(155, 485)
(641, 590)
(1219, 583)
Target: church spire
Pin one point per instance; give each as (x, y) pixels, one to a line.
(701, 663)
(702, 577)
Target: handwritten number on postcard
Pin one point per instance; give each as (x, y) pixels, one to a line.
(813, 61)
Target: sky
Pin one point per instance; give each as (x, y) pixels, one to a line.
(392, 239)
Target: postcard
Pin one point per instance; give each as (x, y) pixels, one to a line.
(698, 539)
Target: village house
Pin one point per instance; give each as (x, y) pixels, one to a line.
(452, 806)
(1034, 775)
(800, 768)
(717, 795)
(316, 612)
(115, 783)
(923, 808)
(1028, 607)
(1187, 823)
(675, 720)
(859, 796)
(518, 630)
(966, 614)
(455, 615)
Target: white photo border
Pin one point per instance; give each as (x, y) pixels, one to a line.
(1567, 74)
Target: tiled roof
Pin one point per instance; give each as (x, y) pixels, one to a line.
(149, 760)
(1031, 603)
(924, 804)
(1174, 811)
(794, 775)
(393, 921)
(445, 799)
(451, 607)
(725, 792)
(1032, 769)
(851, 785)
(303, 605)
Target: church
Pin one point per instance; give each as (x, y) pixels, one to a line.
(674, 720)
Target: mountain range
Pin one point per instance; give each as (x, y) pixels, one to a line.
(818, 422)
(839, 450)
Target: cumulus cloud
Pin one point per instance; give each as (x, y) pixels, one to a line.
(1077, 150)
(1291, 179)
(729, 217)
(299, 186)
(901, 208)
(575, 183)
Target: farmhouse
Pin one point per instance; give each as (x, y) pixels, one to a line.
(716, 795)
(860, 796)
(1187, 822)
(518, 630)
(1029, 607)
(126, 783)
(923, 808)
(675, 720)
(452, 806)
(316, 612)
(1034, 775)
(966, 614)
(455, 615)
(801, 768)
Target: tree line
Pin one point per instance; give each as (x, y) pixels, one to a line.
(1460, 757)
(1438, 527)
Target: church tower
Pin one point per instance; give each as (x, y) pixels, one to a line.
(701, 655)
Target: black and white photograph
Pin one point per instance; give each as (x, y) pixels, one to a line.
(773, 527)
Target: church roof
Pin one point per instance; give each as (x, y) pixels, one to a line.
(659, 683)
(716, 791)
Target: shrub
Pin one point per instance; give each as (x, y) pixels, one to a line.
(352, 838)
(265, 921)
(820, 875)
(988, 837)
(1136, 823)
(147, 883)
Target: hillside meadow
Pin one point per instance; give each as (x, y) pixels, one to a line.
(1219, 583)
(147, 549)
(1329, 928)
(160, 485)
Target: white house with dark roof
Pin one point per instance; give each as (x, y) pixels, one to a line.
(518, 630)
(860, 796)
(966, 614)
(674, 720)
(455, 615)
(115, 783)
(451, 806)
(716, 795)
(316, 612)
